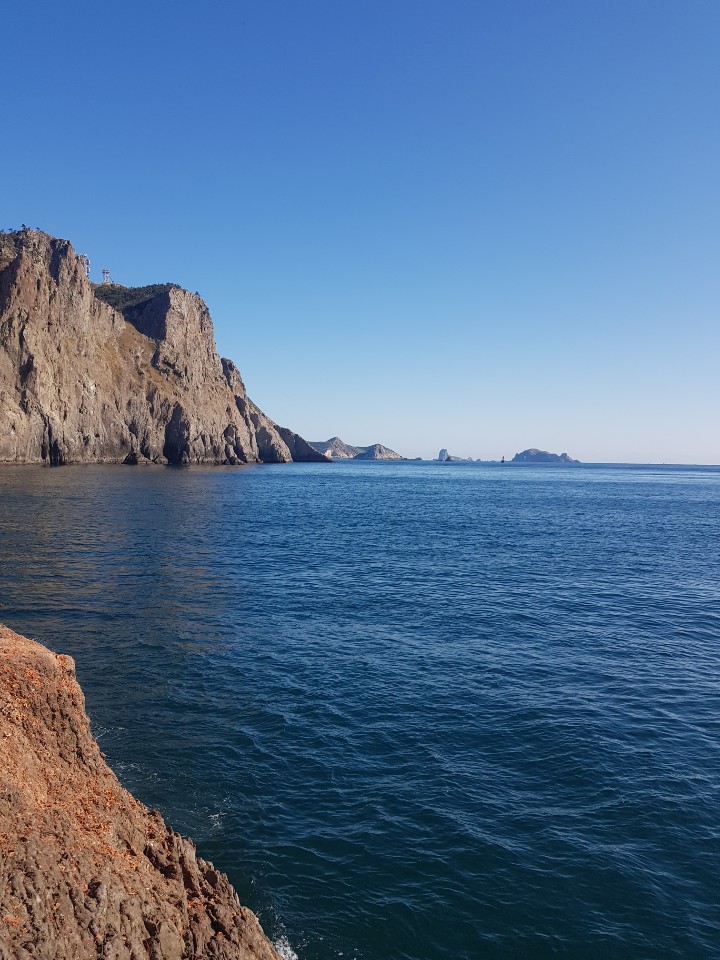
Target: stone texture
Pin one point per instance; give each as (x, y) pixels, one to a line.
(83, 383)
(87, 871)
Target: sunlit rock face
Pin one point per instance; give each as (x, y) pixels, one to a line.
(131, 380)
(378, 452)
(87, 870)
(337, 449)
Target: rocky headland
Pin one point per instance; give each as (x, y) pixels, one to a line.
(87, 871)
(533, 455)
(108, 374)
(337, 449)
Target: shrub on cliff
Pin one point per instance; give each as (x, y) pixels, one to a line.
(120, 298)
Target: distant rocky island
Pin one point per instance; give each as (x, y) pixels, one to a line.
(337, 449)
(445, 457)
(533, 455)
(101, 373)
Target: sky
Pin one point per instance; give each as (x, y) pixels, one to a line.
(476, 225)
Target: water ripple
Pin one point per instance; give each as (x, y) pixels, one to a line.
(413, 711)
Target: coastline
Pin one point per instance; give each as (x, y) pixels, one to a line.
(86, 867)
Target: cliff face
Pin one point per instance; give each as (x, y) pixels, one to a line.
(81, 382)
(86, 871)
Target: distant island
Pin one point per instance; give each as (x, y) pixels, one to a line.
(337, 449)
(533, 455)
(445, 457)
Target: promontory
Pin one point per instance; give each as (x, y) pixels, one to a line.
(110, 374)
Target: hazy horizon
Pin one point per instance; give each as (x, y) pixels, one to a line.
(508, 457)
(479, 227)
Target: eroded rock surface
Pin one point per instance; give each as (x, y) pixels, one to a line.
(81, 382)
(86, 871)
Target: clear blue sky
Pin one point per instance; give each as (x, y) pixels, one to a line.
(477, 225)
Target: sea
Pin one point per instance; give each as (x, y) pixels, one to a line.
(415, 711)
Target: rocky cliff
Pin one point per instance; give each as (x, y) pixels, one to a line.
(87, 871)
(84, 382)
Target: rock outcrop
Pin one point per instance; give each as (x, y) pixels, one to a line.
(82, 381)
(337, 449)
(377, 452)
(86, 871)
(445, 457)
(533, 455)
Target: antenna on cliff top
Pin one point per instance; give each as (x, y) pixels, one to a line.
(86, 263)
(106, 275)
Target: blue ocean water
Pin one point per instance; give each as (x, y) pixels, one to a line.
(415, 711)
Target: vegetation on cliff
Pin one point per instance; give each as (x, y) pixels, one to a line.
(120, 298)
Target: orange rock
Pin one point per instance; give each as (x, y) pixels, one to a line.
(75, 845)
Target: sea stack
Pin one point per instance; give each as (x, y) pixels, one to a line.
(87, 871)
